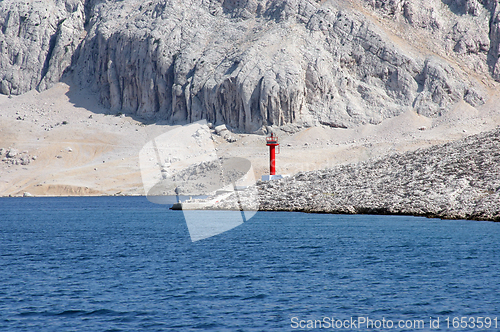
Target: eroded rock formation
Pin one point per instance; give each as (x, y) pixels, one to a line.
(37, 42)
(254, 63)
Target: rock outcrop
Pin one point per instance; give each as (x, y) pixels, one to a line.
(257, 63)
(37, 42)
(458, 180)
(12, 156)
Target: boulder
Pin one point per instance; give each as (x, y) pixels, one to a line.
(12, 153)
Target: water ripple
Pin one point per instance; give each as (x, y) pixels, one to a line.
(124, 264)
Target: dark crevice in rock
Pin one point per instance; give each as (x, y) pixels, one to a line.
(333, 125)
(46, 64)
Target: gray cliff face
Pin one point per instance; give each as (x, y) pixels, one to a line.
(255, 63)
(37, 42)
(466, 30)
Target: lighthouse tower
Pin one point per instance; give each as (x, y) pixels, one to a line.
(272, 143)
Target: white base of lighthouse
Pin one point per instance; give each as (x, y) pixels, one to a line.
(271, 177)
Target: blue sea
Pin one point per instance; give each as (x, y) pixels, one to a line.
(125, 264)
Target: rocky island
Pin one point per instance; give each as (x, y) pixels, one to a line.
(459, 180)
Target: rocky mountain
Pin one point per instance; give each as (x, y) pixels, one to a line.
(257, 63)
(458, 180)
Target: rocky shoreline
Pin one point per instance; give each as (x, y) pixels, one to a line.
(458, 180)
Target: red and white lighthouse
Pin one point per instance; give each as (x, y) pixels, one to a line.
(272, 143)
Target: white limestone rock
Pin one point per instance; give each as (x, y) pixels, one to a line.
(268, 63)
(37, 41)
(457, 180)
(256, 63)
(12, 153)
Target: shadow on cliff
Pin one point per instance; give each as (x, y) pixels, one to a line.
(84, 98)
